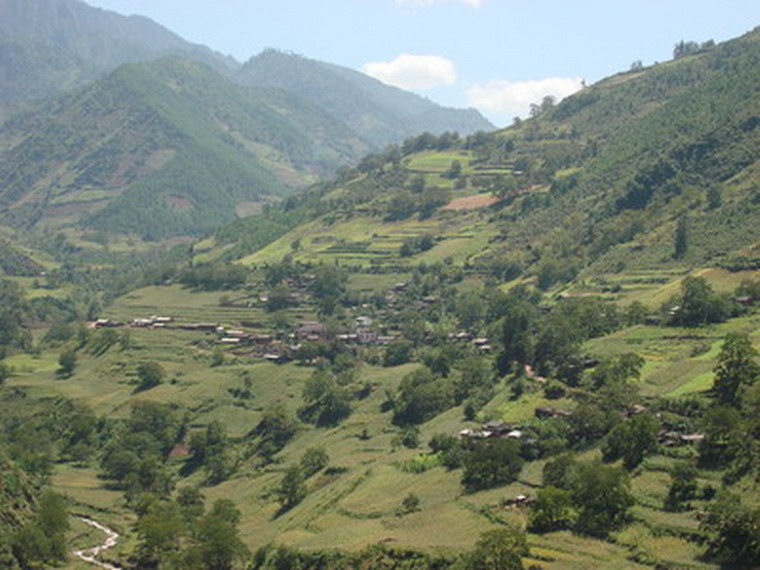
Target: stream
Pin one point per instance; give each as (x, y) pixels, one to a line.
(90, 554)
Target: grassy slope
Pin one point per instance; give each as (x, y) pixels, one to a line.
(358, 506)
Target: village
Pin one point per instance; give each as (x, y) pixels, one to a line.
(276, 349)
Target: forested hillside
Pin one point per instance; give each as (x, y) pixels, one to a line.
(162, 149)
(49, 46)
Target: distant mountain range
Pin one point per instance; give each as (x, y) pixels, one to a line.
(380, 113)
(163, 148)
(49, 46)
(114, 123)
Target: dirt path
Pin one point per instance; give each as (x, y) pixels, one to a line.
(90, 554)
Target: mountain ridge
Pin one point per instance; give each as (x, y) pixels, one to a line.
(670, 141)
(128, 133)
(381, 113)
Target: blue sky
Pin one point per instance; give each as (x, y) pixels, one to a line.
(495, 55)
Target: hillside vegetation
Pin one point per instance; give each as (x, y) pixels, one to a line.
(598, 182)
(50, 46)
(162, 149)
(534, 348)
(380, 113)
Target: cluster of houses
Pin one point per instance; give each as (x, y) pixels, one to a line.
(493, 429)
(155, 322)
(673, 438)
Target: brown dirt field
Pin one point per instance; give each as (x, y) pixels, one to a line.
(471, 202)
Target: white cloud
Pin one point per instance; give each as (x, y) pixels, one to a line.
(508, 99)
(413, 71)
(473, 3)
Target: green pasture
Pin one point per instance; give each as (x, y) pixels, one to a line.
(678, 360)
(363, 242)
(439, 161)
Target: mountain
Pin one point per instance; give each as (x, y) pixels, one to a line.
(598, 183)
(162, 149)
(381, 113)
(537, 344)
(49, 46)
(155, 137)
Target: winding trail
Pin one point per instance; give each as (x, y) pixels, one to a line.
(90, 554)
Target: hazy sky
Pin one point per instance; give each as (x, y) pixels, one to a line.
(496, 55)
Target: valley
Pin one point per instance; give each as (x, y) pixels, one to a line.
(534, 347)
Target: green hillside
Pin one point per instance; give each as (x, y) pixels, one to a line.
(48, 47)
(380, 113)
(596, 183)
(533, 348)
(162, 149)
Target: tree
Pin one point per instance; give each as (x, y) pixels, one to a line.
(499, 549)
(5, 372)
(421, 395)
(699, 304)
(455, 170)
(314, 460)
(190, 499)
(737, 368)
(631, 440)
(518, 343)
(67, 361)
(327, 403)
(590, 421)
(602, 496)
(160, 531)
(292, 488)
(724, 433)
(683, 487)
(681, 239)
(553, 510)
(209, 449)
(150, 374)
(557, 471)
(684, 48)
(276, 427)
(417, 184)
(219, 544)
(43, 539)
(492, 462)
(714, 197)
(734, 532)
(410, 503)
(398, 352)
